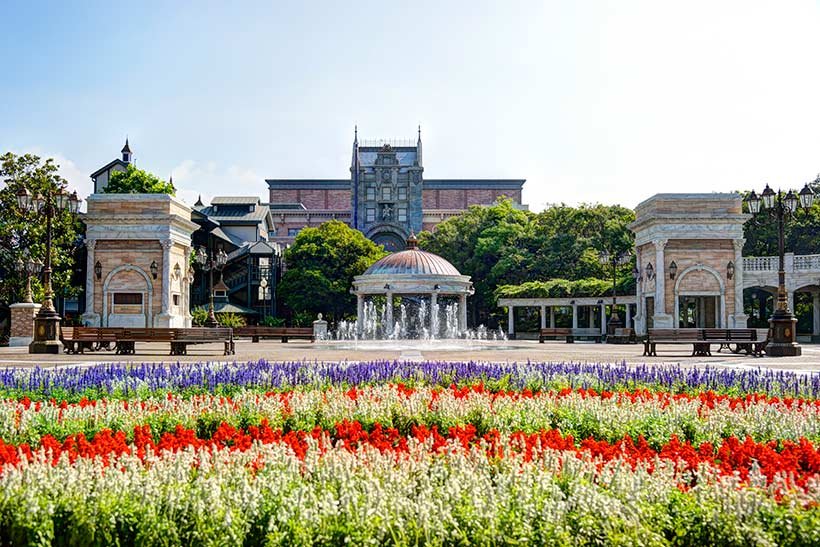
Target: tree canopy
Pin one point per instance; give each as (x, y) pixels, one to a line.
(137, 181)
(503, 246)
(23, 233)
(321, 265)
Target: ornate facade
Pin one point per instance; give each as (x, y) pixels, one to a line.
(386, 196)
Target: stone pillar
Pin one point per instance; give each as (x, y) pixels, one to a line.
(319, 328)
(661, 319)
(186, 290)
(815, 309)
(552, 317)
(89, 317)
(462, 313)
(510, 321)
(164, 318)
(591, 319)
(739, 318)
(22, 323)
(574, 315)
(638, 287)
(359, 313)
(603, 319)
(543, 317)
(388, 316)
(790, 300)
(628, 317)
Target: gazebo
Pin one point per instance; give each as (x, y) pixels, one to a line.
(414, 274)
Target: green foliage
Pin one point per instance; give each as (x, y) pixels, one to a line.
(269, 321)
(137, 181)
(562, 288)
(200, 314)
(231, 320)
(24, 233)
(504, 246)
(321, 265)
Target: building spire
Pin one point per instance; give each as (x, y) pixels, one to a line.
(199, 201)
(419, 132)
(418, 149)
(126, 151)
(355, 134)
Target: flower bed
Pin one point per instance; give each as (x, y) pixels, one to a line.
(430, 453)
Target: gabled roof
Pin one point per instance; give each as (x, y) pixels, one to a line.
(236, 216)
(235, 200)
(126, 148)
(107, 167)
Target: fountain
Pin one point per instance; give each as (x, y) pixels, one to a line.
(412, 299)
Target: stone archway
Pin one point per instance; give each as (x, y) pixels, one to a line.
(701, 282)
(127, 298)
(391, 236)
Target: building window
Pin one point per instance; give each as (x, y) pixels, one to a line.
(176, 300)
(293, 231)
(402, 193)
(371, 193)
(371, 215)
(402, 214)
(387, 192)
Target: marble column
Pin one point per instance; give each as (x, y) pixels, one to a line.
(543, 317)
(638, 286)
(603, 319)
(388, 328)
(510, 321)
(815, 308)
(166, 273)
(90, 318)
(462, 313)
(628, 319)
(790, 299)
(574, 316)
(552, 317)
(739, 318)
(661, 318)
(591, 320)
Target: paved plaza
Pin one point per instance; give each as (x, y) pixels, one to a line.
(518, 350)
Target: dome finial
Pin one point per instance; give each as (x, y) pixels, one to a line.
(412, 242)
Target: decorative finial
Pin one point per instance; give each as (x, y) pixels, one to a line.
(355, 133)
(199, 201)
(419, 131)
(412, 242)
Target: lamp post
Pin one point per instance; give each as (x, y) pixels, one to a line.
(28, 267)
(209, 263)
(614, 261)
(783, 323)
(47, 322)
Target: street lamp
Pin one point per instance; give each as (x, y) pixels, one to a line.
(782, 324)
(614, 261)
(47, 322)
(28, 267)
(209, 263)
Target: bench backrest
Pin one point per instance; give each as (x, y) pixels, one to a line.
(203, 333)
(272, 331)
(674, 334)
(556, 331)
(730, 334)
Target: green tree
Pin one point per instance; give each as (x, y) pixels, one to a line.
(501, 245)
(137, 181)
(23, 232)
(802, 232)
(321, 265)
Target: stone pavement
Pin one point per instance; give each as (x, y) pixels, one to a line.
(519, 350)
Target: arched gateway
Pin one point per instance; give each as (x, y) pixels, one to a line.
(420, 279)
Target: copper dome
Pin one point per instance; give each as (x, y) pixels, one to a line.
(412, 262)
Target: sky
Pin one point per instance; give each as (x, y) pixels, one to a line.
(590, 102)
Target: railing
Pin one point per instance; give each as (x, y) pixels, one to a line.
(760, 264)
(792, 263)
(372, 143)
(807, 262)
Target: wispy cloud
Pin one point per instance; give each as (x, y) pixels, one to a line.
(207, 180)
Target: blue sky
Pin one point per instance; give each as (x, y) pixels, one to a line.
(589, 101)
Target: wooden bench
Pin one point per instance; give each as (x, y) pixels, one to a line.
(554, 332)
(702, 339)
(79, 339)
(179, 338)
(750, 341)
(621, 336)
(569, 334)
(283, 333)
(671, 336)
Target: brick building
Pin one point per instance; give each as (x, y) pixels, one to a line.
(386, 197)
